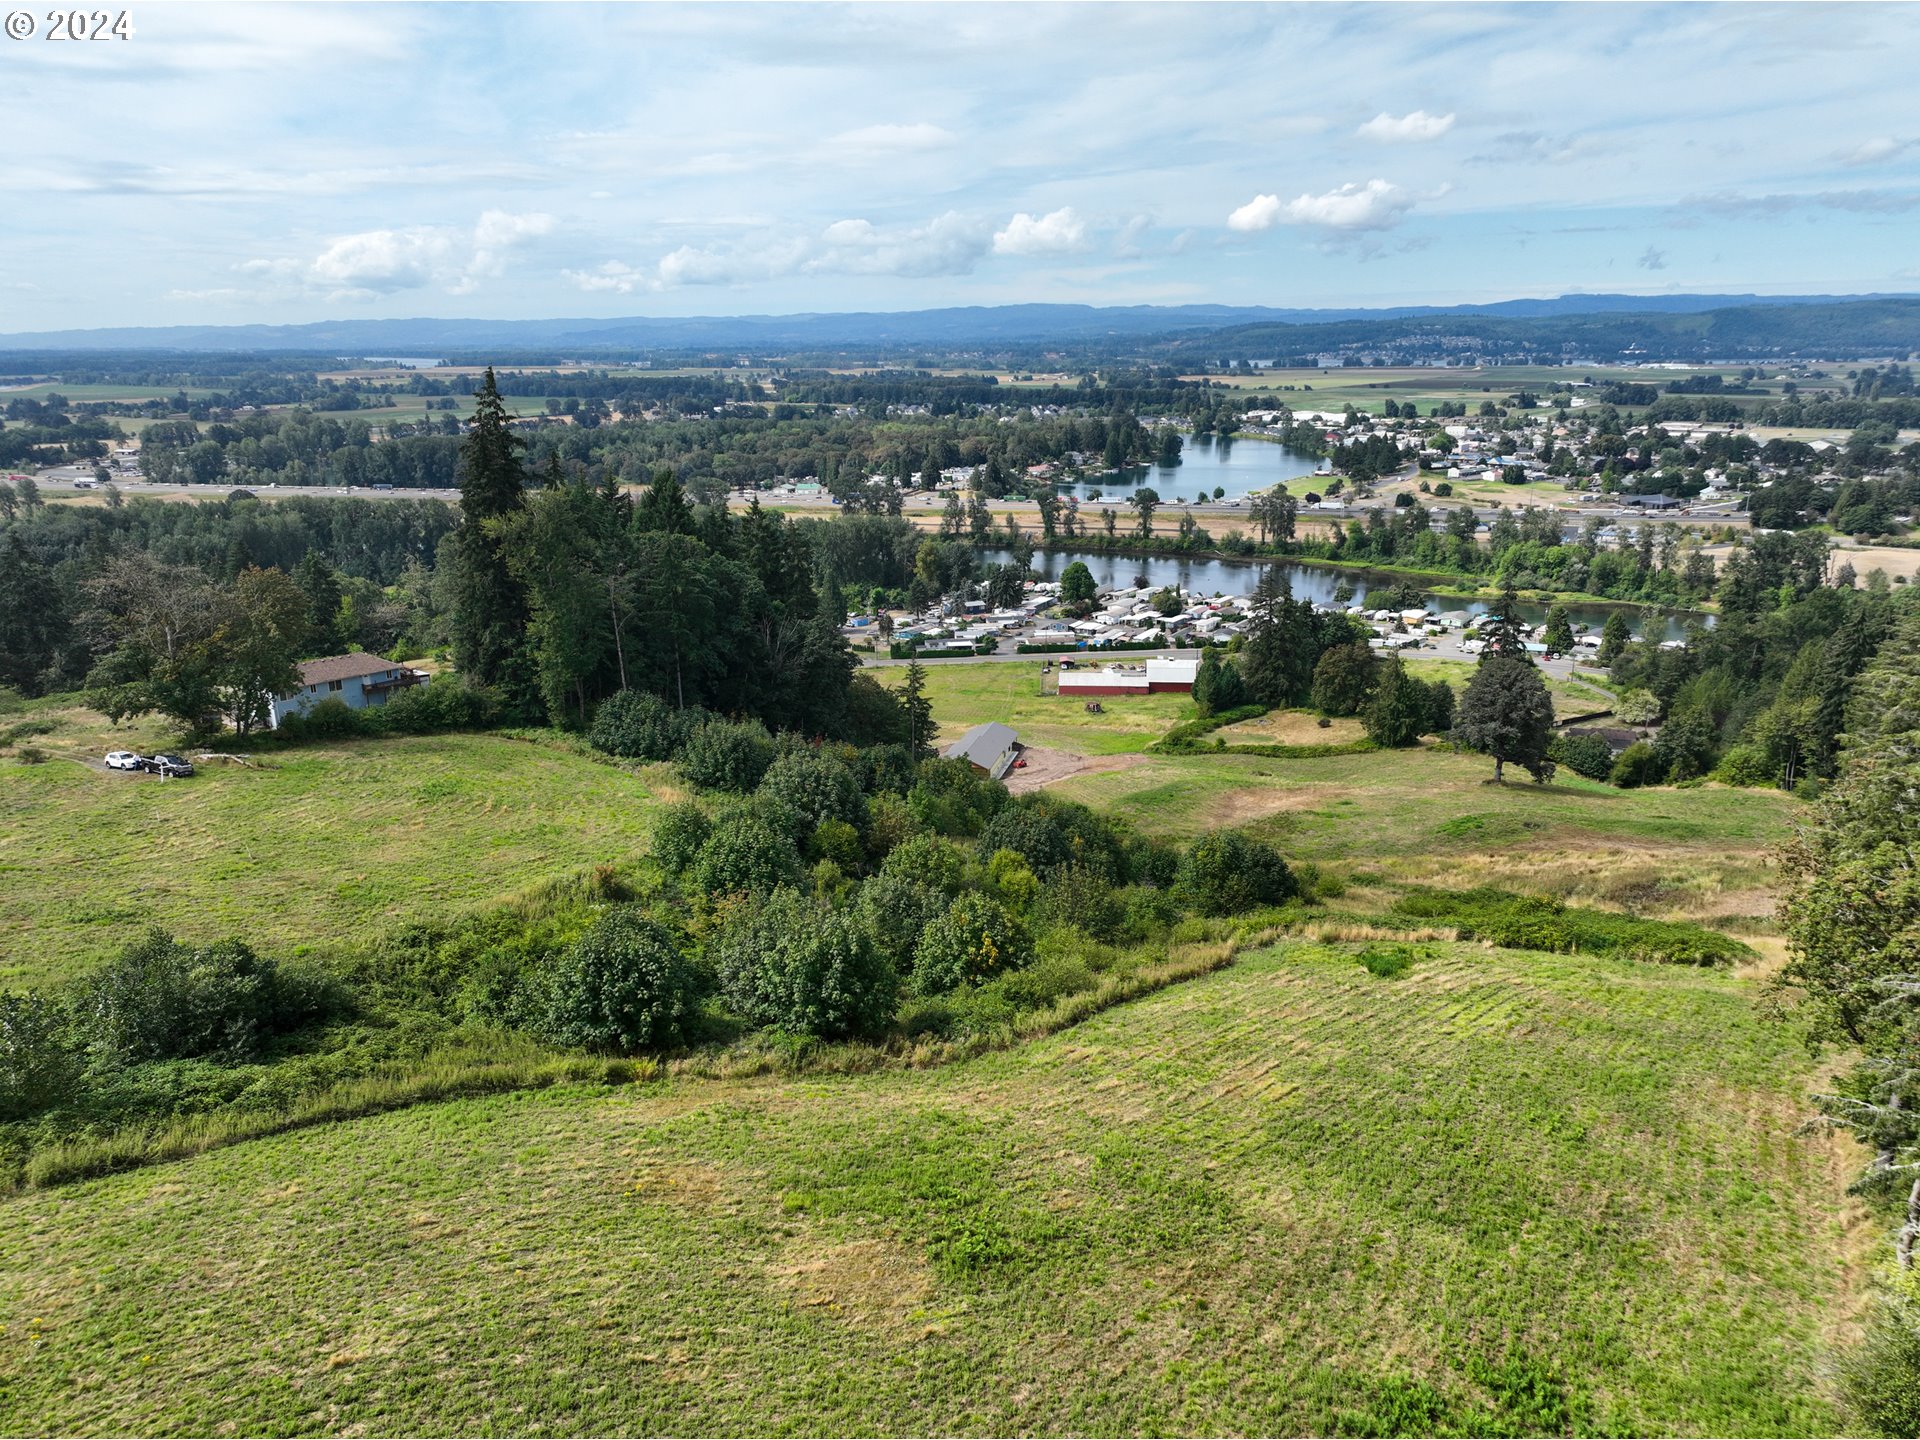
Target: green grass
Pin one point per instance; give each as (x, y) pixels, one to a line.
(80, 394)
(1430, 814)
(318, 844)
(964, 695)
(1497, 1194)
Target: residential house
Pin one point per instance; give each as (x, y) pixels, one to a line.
(357, 680)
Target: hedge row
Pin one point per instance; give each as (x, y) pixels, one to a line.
(1535, 922)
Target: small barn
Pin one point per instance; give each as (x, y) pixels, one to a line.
(990, 748)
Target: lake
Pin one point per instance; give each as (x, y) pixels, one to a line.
(1310, 582)
(1238, 467)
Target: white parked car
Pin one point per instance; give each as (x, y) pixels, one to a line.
(124, 760)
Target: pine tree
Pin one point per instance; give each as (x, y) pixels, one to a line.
(489, 604)
(1283, 643)
(1502, 628)
(913, 699)
(321, 585)
(1559, 634)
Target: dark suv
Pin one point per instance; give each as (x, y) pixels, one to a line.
(168, 766)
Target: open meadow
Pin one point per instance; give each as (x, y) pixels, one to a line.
(318, 844)
(1482, 1191)
(1498, 1194)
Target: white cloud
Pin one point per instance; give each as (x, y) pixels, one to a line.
(1872, 152)
(615, 278)
(1260, 213)
(384, 262)
(1127, 243)
(1652, 259)
(949, 244)
(892, 139)
(1417, 126)
(1376, 205)
(1060, 232)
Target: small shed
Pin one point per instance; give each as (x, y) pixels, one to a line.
(990, 748)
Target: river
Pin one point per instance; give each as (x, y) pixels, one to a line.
(1310, 582)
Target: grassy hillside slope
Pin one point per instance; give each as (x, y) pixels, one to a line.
(322, 843)
(1502, 1193)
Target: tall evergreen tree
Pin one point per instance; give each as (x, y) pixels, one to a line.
(1503, 630)
(489, 604)
(913, 700)
(1507, 713)
(1283, 643)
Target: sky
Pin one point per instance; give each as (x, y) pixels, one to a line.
(284, 163)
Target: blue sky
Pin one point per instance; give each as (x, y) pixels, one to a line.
(299, 162)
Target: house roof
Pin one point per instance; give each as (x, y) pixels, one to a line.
(343, 667)
(983, 745)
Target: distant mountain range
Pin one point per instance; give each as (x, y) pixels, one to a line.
(959, 326)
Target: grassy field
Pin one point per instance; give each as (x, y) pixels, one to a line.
(80, 394)
(321, 843)
(1500, 1194)
(1369, 389)
(967, 694)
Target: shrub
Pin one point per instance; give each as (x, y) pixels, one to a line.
(1046, 981)
(950, 797)
(637, 726)
(331, 719)
(896, 911)
(1049, 833)
(622, 988)
(796, 964)
(444, 703)
(724, 755)
(744, 856)
(837, 841)
(1637, 707)
(1386, 962)
(974, 939)
(1076, 897)
(818, 787)
(38, 1064)
(160, 1000)
(931, 861)
(885, 769)
(1536, 922)
(679, 834)
(1145, 913)
(1639, 764)
(1227, 873)
(1586, 755)
(1011, 880)
(1881, 1377)
(1746, 765)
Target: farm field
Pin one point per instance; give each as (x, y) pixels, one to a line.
(1500, 1193)
(1368, 388)
(317, 844)
(81, 394)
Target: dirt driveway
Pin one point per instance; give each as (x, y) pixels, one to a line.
(1047, 767)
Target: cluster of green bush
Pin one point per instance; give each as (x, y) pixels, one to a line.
(834, 892)
(157, 1001)
(1538, 922)
(443, 703)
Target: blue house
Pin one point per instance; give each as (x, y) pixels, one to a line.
(357, 680)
